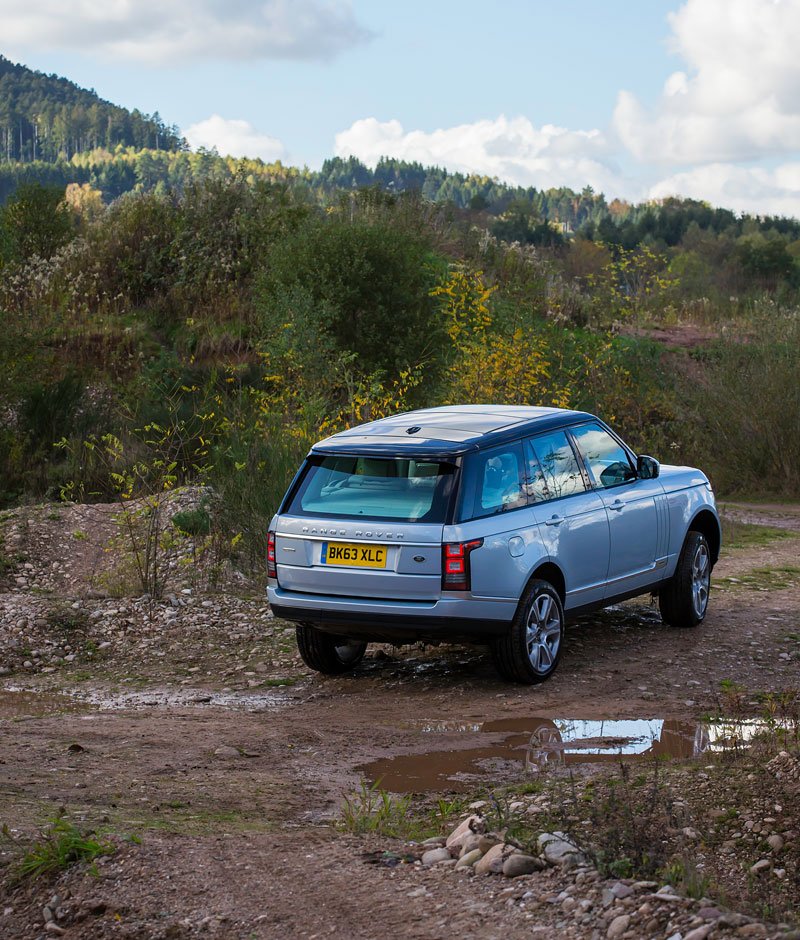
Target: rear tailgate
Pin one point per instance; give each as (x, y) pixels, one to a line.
(401, 561)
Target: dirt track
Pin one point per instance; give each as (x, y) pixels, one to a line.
(241, 843)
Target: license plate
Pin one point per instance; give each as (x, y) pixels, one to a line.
(352, 555)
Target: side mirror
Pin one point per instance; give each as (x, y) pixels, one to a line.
(647, 468)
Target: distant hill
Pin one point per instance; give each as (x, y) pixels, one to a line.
(55, 133)
(48, 118)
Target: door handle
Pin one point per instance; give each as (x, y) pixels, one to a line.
(617, 505)
(554, 520)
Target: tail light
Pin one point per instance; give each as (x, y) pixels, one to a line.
(272, 566)
(455, 564)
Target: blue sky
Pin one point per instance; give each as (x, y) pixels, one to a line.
(639, 98)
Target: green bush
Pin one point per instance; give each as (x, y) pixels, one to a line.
(745, 400)
(354, 288)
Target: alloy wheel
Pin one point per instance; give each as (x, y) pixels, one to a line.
(543, 633)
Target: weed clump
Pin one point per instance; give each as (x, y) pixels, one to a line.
(62, 844)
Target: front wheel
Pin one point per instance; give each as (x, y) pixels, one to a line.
(531, 649)
(683, 600)
(327, 653)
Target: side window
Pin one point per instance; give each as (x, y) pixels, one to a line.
(493, 482)
(552, 466)
(607, 460)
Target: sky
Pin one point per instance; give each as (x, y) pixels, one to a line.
(639, 99)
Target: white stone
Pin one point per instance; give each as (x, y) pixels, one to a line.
(492, 861)
(618, 926)
(468, 827)
(433, 856)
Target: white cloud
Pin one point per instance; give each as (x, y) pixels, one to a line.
(739, 98)
(512, 150)
(234, 138)
(163, 33)
(744, 189)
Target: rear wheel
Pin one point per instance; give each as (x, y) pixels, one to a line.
(683, 601)
(328, 653)
(531, 649)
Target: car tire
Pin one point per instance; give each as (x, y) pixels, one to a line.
(683, 600)
(326, 652)
(529, 652)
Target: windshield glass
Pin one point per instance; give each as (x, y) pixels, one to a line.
(403, 490)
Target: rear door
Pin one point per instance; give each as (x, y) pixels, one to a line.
(365, 527)
(494, 507)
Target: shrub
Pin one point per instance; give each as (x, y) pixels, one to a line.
(344, 288)
(746, 401)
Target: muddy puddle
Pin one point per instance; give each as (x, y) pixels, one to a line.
(533, 746)
(106, 700)
(18, 703)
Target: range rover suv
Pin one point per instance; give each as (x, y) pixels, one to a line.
(485, 523)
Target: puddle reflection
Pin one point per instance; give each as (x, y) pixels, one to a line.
(538, 744)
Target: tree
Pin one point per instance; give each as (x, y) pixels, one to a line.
(359, 289)
(36, 220)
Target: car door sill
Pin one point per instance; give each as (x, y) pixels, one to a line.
(614, 599)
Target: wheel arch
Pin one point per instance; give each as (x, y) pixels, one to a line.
(549, 571)
(707, 524)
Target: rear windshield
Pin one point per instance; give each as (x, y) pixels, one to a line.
(405, 490)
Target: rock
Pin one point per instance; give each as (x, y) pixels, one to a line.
(226, 751)
(487, 842)
(437, 842)
(468, 827)
(733, 920)
(433, 856)
(558, 849)
(47, 914)
(620, 890)
(518, 864)
(468, 860)
(751, 930)
(760, 866)
(618, 926)
(775, 842)
(644, 885)
(709, 913)
(474, 842)
(53, 928)
(492, 861)
(699, 933)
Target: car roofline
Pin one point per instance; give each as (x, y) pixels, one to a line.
(353, 445)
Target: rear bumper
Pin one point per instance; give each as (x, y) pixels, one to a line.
(448, 618)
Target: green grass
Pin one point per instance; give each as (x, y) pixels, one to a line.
(763, 579)
(180, 818)
(737, 535)
(62, 845)
(398, 816)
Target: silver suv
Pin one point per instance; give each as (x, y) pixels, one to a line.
(485, 523)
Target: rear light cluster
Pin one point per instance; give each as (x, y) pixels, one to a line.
(272, 566)
(455, 564)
